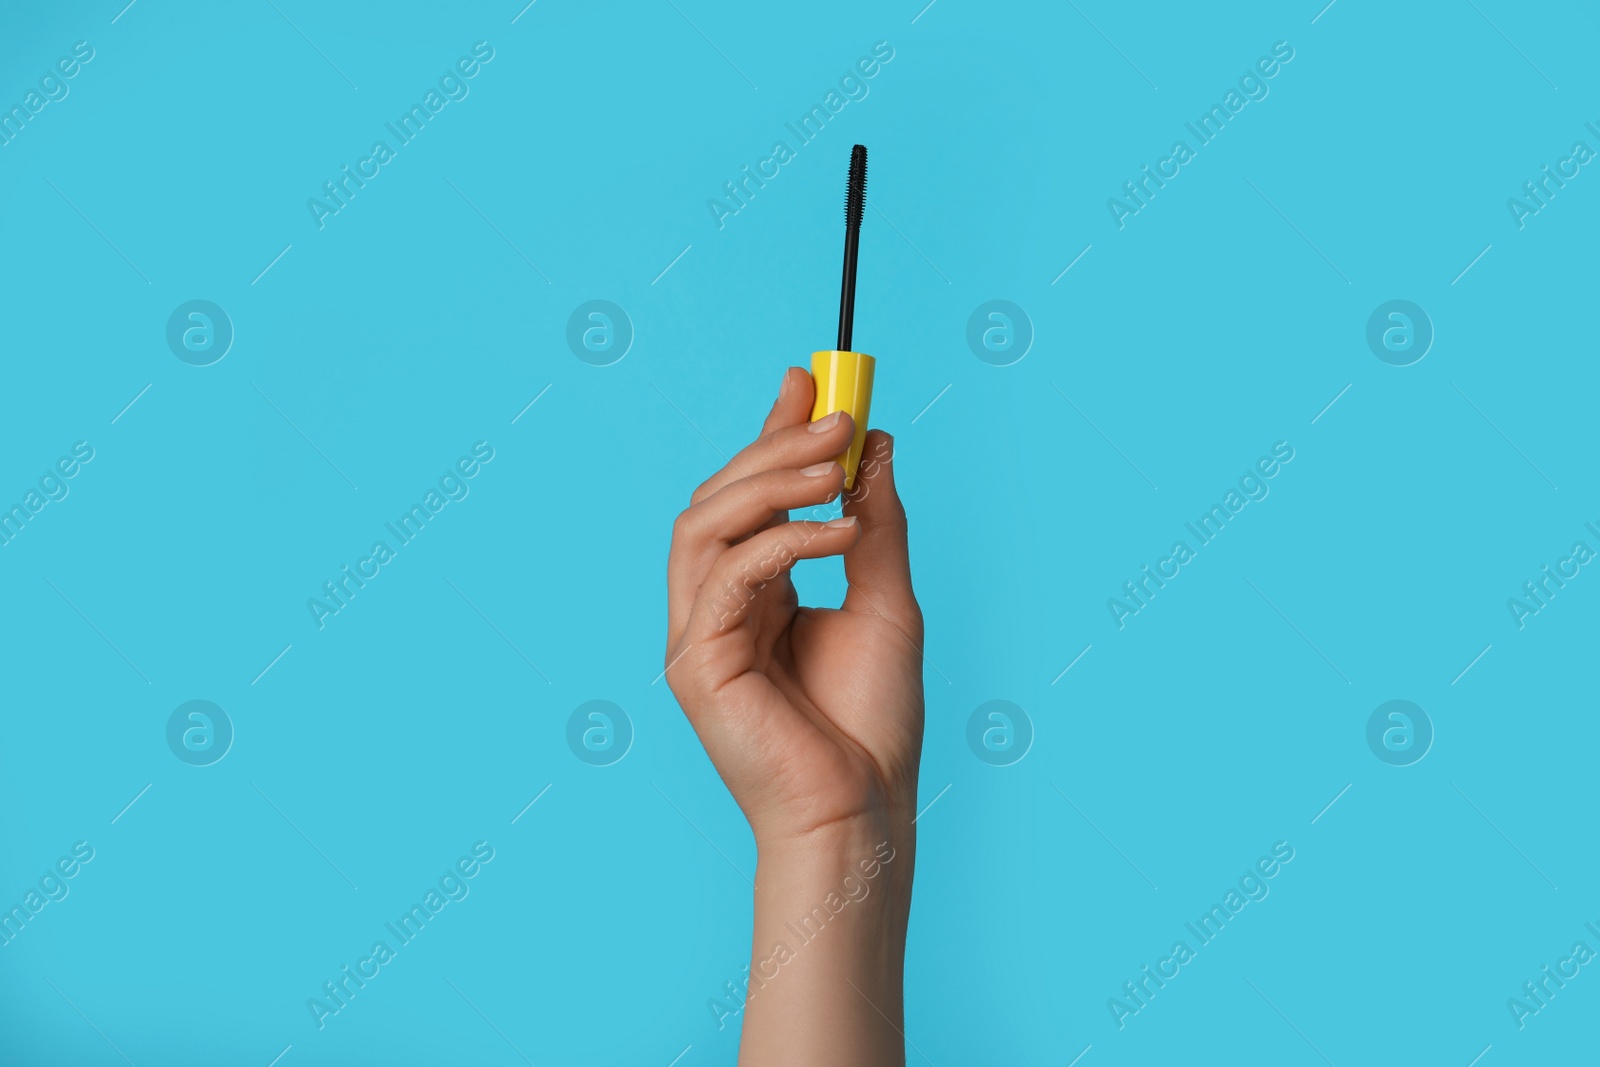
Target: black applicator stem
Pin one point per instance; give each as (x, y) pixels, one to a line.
(847, 296)
(855, 200)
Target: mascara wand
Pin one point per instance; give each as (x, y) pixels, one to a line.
(844, 377)
(854, 201)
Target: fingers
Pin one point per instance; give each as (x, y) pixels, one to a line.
(793, 406)
(741, 508)
(878, 567)
(742, 575)
(797, 445)
(788, 442)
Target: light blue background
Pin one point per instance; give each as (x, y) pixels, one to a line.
(1223, 318)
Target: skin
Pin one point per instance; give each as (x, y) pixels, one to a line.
(813, 718)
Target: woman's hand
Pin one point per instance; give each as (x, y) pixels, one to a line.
(813, 717)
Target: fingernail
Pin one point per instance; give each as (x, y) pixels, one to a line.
(826, 423)
(783, 386)
(817, 470)
(842, 524)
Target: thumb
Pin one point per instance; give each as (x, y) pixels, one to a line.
(878, 567)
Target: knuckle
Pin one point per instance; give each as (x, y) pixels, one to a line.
(892, 521)
(682, 526)
(680, 679)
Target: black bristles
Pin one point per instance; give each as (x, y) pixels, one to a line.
(855, 195)
(855, 201)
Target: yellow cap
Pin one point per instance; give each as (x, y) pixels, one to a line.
(844, 383)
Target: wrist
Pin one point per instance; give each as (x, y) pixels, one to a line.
(856, 844)
(860, 871)
(813, 825)
(831, 911)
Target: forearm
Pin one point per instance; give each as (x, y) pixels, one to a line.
(828, 953)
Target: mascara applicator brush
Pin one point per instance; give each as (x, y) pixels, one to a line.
(843, 377)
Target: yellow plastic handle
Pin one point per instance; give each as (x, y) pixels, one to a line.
(844, 383)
